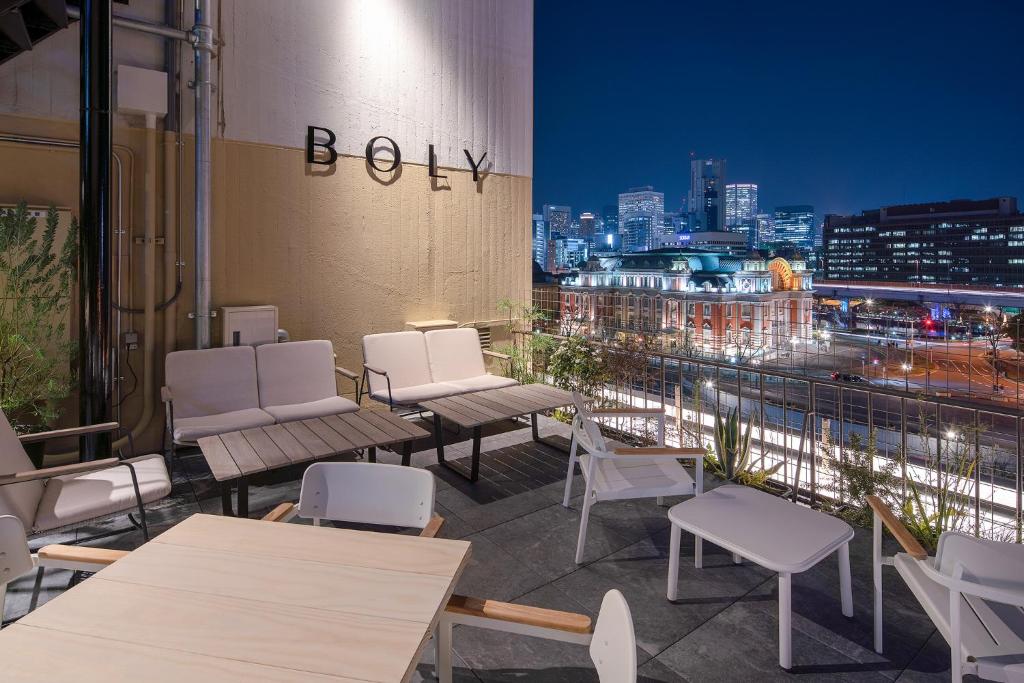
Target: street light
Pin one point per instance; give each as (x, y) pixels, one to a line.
(906, 376)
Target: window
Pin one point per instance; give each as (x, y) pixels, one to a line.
(707, 311)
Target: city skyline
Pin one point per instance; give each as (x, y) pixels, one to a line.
(843, 131)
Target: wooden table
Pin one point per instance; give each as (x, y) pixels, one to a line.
(235, 456)
(474, 410)
(231, 600)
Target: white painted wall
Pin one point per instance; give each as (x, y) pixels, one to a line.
(455, 73)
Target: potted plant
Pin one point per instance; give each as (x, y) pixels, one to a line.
(37, 271)
(731, 459)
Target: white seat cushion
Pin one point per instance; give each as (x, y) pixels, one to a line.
(403, 355)
(304, 411)
(77, 498)
(410, 396)
(636, 477)
(454, 354)
(295, 372)
(187, 429)
(484, 382)
(212, 381)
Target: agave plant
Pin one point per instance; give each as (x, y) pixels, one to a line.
(732, 445)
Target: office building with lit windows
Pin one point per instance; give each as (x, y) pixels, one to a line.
(540, 240)
(641, 217)
(558, 219)
(795, 225)
(741, 209)
(960, 242)
(706, 199)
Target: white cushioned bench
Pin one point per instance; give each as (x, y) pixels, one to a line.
(220, 390)
(403, 369)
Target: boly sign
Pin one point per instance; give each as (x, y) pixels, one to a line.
(330, 154)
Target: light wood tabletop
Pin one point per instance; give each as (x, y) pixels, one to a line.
(230, 599)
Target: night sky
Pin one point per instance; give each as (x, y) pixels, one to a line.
(843, 105)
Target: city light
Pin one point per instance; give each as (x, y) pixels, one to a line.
(869, 301)
(906, 367)
(950, 434)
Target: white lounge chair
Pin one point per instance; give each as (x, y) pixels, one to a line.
(16, 560)
(364, 493)
(396, 370)
(612, 641)
(211, 391)
(972, 590)
(612, 473)
(456, 358)
(297, 380)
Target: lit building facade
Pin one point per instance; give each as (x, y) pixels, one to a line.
(558, 219)
(795, 225)
(741, 209)
(965, 242)
(588, 228)
(641, 217)
(694, 302)
(540, 240)
(765, 230)
(706, 198)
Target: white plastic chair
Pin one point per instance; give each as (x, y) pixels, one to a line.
(612, 641)
(972, 590)
(16, 560)
(626, 473)
(365, 493)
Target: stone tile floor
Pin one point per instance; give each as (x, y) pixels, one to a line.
(723, 627)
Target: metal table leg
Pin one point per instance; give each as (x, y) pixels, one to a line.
(439, 438)
(225, 499)
(550, 444)
(407, 453)
(371, 454)
(243, 497)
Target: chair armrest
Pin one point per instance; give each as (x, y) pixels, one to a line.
(70, 431)
(495, 354)
(896, 528)
(50, 472)
(101, 557)
(281, 513)
(432, 527)
(374, 370)
(520, 614)
(344, 372)
(627, 412)
(165, 394)
(662, 451)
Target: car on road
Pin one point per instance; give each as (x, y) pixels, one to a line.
(844, 377)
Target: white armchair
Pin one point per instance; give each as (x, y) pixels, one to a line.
(456, 357)
(972, 590)
(613, 473)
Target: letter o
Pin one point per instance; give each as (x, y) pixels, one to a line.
(373, 162)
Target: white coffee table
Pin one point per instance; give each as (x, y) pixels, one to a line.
(778, 535)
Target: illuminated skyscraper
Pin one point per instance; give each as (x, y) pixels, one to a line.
(641, 217)
(764, 233)
(795, 224)
(540, 240)
(741, 209)
(588, 228)
(558, 218)
(707, 194)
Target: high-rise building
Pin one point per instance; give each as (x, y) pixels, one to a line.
(741, 209)
(558, 218)
(707, 194)
(610, 213)
(540, 240)
(588, 228)
(764, 232)
(641, 218)
(795, 224)
(960, 242)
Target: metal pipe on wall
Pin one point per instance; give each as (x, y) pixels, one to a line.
(94, 343)
(203, 44)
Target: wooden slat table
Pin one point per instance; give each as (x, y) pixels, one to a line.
(237, 600)
(235, 456)
(474, 410)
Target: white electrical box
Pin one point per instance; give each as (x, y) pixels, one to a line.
(141, 91)
(249, 325)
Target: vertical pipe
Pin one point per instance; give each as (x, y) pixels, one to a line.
(94, 343)
(203, 55)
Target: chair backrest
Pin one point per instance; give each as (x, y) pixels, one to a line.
(990, 563)
(295, 372)
(403, 355)
(367, 493)
(212, 381)
(454, 354)
(613, 647)
(585, 429)
(20, 500)
(15, 557)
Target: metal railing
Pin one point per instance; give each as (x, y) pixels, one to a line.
(806, 426)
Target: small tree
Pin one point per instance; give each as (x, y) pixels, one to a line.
(36, 275)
